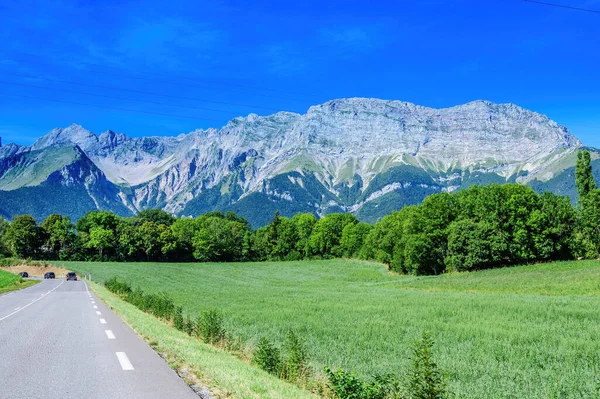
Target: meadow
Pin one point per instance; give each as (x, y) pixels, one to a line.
(528, 331)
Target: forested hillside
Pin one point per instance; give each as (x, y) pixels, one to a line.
(476, 228)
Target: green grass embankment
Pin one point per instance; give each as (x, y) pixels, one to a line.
(11, 282)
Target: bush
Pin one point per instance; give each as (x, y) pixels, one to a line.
(118, 287)
(189, 326)
(348, 386)
(268, 357)
(164, 306)
(295, 359)
(211, 329)
(178, 318)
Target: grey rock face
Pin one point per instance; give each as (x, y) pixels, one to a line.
(338, 143)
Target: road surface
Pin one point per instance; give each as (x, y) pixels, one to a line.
(57, 340)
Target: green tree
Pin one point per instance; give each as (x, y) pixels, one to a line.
(287, 238)
(353, 237)
(425, 235)
(304, 223)
(183, 231)
(129, 241)
(23, 237)
(583, 174)
(4, 225)
(218, 239)
(98, 220)
(150, 239)
(60, 236)
(104, 219)
(167, 242)
(588, 230)
(327, 233)
(474, 245)
(156, 216)
(101, 239)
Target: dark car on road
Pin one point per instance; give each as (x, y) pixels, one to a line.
(71, 276)
(49, 275)
(24, 274)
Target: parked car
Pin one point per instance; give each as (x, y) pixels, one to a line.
(49, 275)
(71, 276)
(24, 274)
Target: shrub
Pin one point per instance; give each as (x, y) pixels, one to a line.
(348, 386)
(268, 357)
(178, 318)
(426, 381)
(345, 385)
(211, 327)
(189, 326)
(117, 287)
(295, 360)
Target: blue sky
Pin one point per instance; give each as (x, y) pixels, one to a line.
(212, 61)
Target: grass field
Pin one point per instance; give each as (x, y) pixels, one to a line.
(11, 282)
(522, 332)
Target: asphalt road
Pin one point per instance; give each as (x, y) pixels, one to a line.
(57, 340)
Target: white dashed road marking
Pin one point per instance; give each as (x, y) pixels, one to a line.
(125, 363)
(110, 334)
(95, 307)
(102, 321)
(98, 313)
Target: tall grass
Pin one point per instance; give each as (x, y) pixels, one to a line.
(526, 332)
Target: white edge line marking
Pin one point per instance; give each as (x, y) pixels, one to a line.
(125, 363)
(110, 334)
(17, 308)
(98, 313)
(31, 303)
(102, 321)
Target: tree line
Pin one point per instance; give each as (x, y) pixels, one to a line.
(476, 228)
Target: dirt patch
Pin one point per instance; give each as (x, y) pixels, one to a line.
(36, 271)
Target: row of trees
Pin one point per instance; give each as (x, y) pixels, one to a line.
(480, 227)
(154, 235)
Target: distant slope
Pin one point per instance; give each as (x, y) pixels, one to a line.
(563, 183)
(76, 187)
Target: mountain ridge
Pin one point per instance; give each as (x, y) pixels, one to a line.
(321, 161)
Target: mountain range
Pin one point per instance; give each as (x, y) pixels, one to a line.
(361, 155)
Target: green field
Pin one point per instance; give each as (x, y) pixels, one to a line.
(522, 332)
(10, 282)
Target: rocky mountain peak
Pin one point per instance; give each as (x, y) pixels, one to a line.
(384, 146)
(73, 134)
